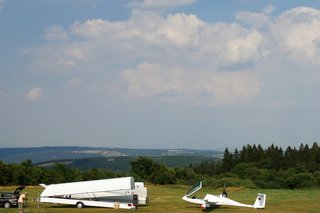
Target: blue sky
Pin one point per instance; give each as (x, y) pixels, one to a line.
(159, 74)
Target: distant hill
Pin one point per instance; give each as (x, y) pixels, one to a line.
(116, 159)
(122, 164)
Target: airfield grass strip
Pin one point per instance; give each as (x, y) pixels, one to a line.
(168, 199)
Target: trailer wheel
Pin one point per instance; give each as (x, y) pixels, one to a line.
(79, 205)
(7, 205)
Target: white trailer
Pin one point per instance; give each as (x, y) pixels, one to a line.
(113, 193)
(79, 203)
(142, 193)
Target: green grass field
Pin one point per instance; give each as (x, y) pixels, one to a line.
(168, 199)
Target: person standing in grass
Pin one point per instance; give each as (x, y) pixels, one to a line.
(21, 200)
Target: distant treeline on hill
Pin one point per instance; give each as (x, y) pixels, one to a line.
(252, 167)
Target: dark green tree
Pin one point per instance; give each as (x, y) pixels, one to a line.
(228, 161)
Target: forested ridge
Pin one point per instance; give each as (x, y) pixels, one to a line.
(267, 168)
(253, 166)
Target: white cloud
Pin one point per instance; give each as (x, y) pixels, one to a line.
(184, 54)
(34, 94)
(153, 4)
(243, 49)
(1, 4)
(173, 42)
(149, 80)
(226, 45)
(162, 38)
(60, 57)
(297, 34)
(268, 9)
(256, 20)
(146, 26)
(75, 82)
(54, 33)
(63, 62)
(193, 87)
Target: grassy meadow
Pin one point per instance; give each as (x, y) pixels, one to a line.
(168, 199)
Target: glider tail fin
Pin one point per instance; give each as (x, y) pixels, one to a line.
(260, 201)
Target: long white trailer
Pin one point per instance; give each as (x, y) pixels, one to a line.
(80, 203)
(112, 193)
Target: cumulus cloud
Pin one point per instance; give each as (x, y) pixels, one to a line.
(181, 85)
(173, 42)
(256, 20)
(179, 57)
(34, 94)
(297, 34)
(153, 4)
(178, 29)
(151, 37)
(230, 44)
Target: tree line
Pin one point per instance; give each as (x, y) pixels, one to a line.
(26, 173)
(272, 167)
(252, 167)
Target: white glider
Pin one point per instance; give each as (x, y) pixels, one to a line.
(221, 200)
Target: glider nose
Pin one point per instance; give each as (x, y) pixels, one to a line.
(193, 200)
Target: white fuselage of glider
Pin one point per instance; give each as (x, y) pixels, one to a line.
(221, 200)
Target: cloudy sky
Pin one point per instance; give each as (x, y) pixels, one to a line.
(159, 73)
